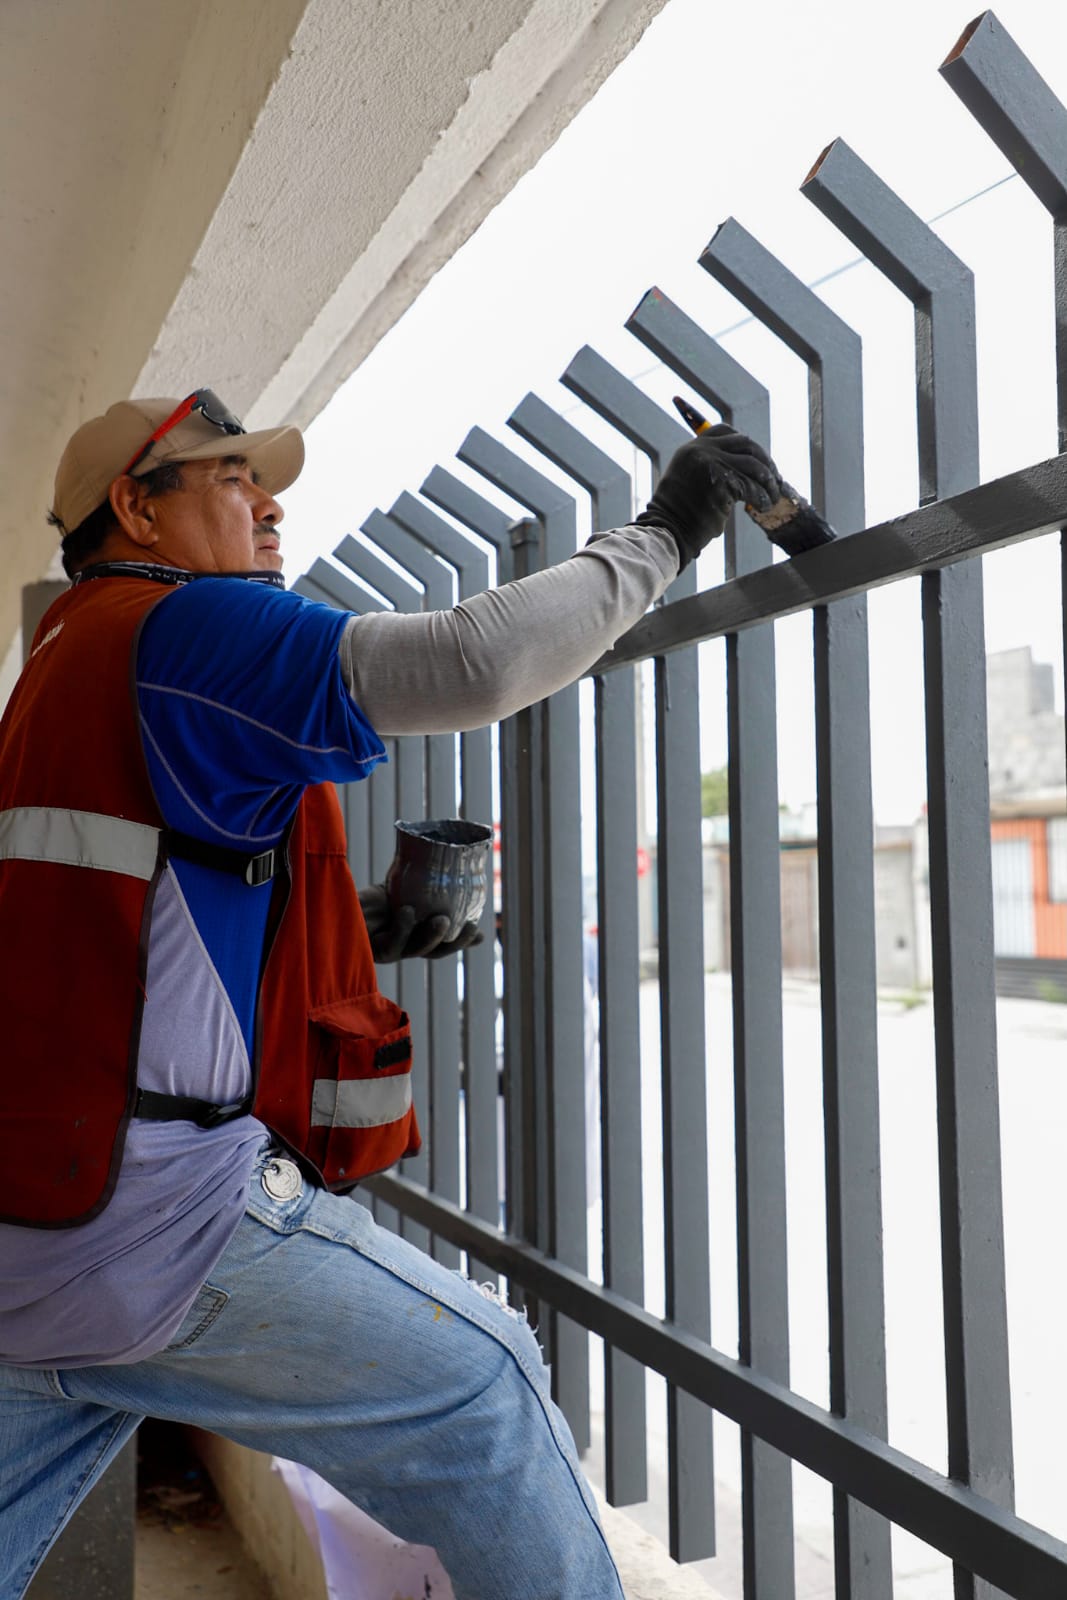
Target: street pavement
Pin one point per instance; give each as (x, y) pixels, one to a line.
(1032, 1049)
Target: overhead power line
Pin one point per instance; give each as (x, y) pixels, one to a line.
(847, 266)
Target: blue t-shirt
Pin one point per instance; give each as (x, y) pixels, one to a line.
(242, 705)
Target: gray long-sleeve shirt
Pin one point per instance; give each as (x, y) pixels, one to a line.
(449, 671)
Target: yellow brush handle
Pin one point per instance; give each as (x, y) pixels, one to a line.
(691, 416)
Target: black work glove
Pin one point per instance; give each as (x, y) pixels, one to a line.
(395, 935)
(701, 483)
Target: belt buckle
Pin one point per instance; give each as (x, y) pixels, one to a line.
(260, 869)
(217, 1115)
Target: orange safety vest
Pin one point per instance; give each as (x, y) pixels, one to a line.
(82, 847)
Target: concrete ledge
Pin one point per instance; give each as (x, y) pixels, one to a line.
(647, 1571)
(258, 1504)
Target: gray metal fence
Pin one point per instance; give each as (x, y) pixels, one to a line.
(531, 1228)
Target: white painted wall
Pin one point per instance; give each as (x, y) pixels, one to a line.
(248, 196)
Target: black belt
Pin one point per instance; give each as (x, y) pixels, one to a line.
(158, 1107)
(254, 870)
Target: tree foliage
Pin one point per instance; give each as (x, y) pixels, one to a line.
(713, 793)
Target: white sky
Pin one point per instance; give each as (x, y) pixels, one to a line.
(721, 111)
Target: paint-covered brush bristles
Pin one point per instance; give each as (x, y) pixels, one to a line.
(791, 522)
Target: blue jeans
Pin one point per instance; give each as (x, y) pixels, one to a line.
(325, 1339)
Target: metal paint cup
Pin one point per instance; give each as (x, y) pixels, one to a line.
(441, 868)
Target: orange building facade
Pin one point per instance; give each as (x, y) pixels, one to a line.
(1030, 886)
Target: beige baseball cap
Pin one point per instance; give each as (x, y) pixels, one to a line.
(102, 449)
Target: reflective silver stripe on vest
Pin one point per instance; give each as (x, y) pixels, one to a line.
(79, 839)
(360, 1102)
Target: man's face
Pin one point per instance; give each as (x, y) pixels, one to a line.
(220, 520)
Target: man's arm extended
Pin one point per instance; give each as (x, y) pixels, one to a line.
(447, 671)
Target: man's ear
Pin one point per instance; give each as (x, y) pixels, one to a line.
(133, 510)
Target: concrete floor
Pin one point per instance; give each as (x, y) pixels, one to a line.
(185, 1545)
(1032, 1051)
(188, 1563)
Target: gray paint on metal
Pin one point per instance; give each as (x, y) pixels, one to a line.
(471, 566)
(1006, 94)
(477, 513)
(755, 947)
(771, 292)
(690, 1479)
(398, 790)
(520, 939)
(1004, 91)
(941, 289)
(960, 1514)
(341, 591)
(618, 965)
(558, 804)
(1023, 1560)
(1022, 505)
(440, 757)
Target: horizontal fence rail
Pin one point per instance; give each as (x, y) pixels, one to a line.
(1022, 505)
(1019, 1558)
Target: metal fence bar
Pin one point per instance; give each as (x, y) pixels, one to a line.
(397, 791)
(311, 591)
(481, 1095)
(355, 808)
(756, 953)
(324, 582)
(756, 960)
(652, 430)
(526, 1073)
(966, 1513)
(1006, 94)
(354, 797)
(1024, 1561)
(475, 512)
(690, 1474)
(389, 793)
(863, 1557)
(521, 941)
(618, 965)
(355, 801)
(440, 801)
(961, 897)
(559, 805)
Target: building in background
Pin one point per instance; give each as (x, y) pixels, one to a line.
(1028, 801)
(1028, 841)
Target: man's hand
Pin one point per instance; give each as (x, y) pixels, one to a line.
(395, 935)
(702, 481)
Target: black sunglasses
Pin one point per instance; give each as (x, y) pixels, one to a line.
(211, 408)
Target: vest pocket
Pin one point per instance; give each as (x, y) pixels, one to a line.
(361, 1096)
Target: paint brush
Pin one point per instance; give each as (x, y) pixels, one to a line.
(790, 523)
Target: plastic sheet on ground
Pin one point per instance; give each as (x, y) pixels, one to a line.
(361, 1560)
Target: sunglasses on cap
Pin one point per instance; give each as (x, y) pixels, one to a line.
(211, 408)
